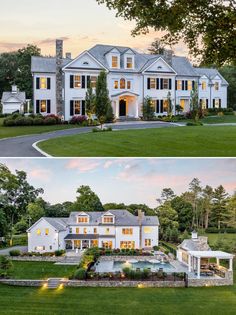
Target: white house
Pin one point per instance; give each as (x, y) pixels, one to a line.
(13, 101)
(60, 84)
(110, 229)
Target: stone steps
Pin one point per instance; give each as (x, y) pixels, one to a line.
(53, 283)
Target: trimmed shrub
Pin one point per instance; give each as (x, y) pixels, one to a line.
(78, 120)
(50, 121)
(59, 252)
(14, 252)
(9, 122)
(38, 121)
(194, 124)
(80, 274)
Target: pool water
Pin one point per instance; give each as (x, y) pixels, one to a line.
(115, 266)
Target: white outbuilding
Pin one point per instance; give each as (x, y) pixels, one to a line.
(14, 101)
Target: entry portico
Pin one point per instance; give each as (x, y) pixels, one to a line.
(81, 241)
(125, 104)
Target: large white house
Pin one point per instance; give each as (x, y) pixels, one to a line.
(110, 229)
(60, 83)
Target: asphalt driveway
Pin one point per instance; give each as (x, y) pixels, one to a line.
(6, 251)
(22, 146)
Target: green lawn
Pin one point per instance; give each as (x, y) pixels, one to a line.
(219, 119)
(40, 270)
(213, 237)
(180, 141)
(6, 132)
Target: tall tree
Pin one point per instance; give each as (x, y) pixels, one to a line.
(148, 108)
(102, 101)
(168, 217)
(88, 200)
(207, 194)
(220, 212)
(194, 103)
(184, 210)
(167, 194)
(232, 211)
(229, 73)
(157, 47)
(195, 189)
(206, 26)
(34, 212)
(90, 102)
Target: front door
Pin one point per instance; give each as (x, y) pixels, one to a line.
(122, 111)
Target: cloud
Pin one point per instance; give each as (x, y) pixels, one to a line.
(82, 165)
(11, 46)
(40, 174)
(50, 41)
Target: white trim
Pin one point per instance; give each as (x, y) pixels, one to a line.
(34, 145)
(160, 58)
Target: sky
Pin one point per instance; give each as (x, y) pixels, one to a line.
(81, 23)
(123, 180)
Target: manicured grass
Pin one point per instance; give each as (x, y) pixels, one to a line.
(180, 141)
(40, 270)
(214, 237)
(219, 119)
(127, 301)
(6, 132)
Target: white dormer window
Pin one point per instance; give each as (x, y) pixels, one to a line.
(204, 85)
(108, 219)
(216, 86)
(83, 218)
(129, 62)
(114, 62)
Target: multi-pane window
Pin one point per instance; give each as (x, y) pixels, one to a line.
(129, 62)
(152, 83)
(108, 220)
(128, 85)
(77, 230)
(77, 81)
(85, 231)
(116, 84)
(38, 232)
(127, 231)
(217, 103)
(77, 107)
(179, 85)
(93, 81)
(127, 244)
(122, 83)
(216, 86)
(70, 230)
(43, 83)
(95, 231)
(148, 242)
(114, 62)
(107, 244)
(82, 219)
(43, 106)
(203, 85)
(46, 231)
(165, 105)
(203, 103)
(107, 231)
(190, 85)
(165, 84)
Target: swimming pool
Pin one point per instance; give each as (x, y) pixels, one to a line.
(115, 266)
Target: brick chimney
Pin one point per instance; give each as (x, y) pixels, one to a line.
(168, 54)
(59, 78)
(140, 219)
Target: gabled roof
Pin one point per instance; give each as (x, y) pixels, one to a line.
(60, 224)
(46, 64)
(199, 244)
(20, 96)
(211, 73)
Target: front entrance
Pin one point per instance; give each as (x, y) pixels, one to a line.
(122, 108)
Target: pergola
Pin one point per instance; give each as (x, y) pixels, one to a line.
(196, 256)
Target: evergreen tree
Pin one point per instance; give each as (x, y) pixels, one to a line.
(88, 200)
(170, 105)
(148, 108)
(90, 102)
(194, 103)
(220, 212)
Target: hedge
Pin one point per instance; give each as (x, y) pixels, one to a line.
(222, 230)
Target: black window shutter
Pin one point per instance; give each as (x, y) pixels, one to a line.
(49, 83)
(170, 84)
(200, 103)
(182, 85)
(83, 81)
(207, 103)
(186, 85)
(71, 108)
(83, 107)
(148, 83)
(193, 85)
(37, 107)
(88, 81)
(48, 106)
(37, 83)
(157, 106)
(220, 102)
(157, 83)
(213, 103)
(161, 109)
(71, 81)
(176, 85)
(161, 84)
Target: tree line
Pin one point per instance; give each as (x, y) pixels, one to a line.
(21, 205)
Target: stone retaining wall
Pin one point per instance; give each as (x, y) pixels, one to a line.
(125, 258)
(37, 258)
(23, 283)
(209, 282)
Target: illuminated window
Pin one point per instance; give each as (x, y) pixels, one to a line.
(107, 231)
(165, 84)
(43, 106)
(116, 84)
(152, 83)
(203, 85)
(107, 244)
(203, 103)
(182, 104)
(147, 230)
(127, 244)
(77, 81)
(107, 219)
(127, 231)
(122, 83)
(85, 230)
(129, 62)
(216, 86)
(114, 62)
(38, 232)
(93, 81)
(95, 231)
(46, 231)
(94, 243)
(77, 230)
(43, 83)
(128, 85)
(190, 85)
(217, 103)
(77, 107)
(179, 85)
(39, 248)
(148, 242)
(82, 220)
(165, 105)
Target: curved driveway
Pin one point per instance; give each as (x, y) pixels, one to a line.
(22, 146)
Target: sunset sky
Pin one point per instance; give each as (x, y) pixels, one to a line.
(123, 180)
(81, 23)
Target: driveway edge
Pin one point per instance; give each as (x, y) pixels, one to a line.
(34, 145)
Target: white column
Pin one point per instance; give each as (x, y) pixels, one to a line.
(117, 108)
(136, 109)
(218, 261)
(231, 264)
(189, 263)
(198, 267)
(89, 243)
(73, 245)
(81, 244)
